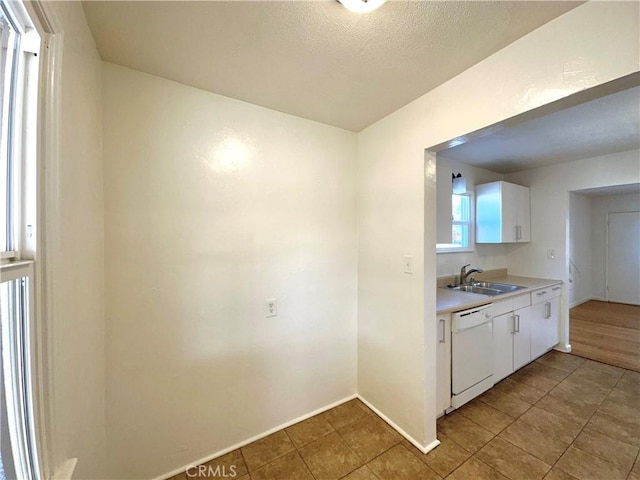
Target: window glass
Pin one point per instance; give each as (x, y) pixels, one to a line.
(460, 235)
(461, 225)
(8, 46)
(460, 208)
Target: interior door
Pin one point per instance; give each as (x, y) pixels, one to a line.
(623, 258)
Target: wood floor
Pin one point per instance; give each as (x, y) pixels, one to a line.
(606, 332)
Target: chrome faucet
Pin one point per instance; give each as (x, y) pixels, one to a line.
(464, 274)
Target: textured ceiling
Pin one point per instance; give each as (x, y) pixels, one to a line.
(605, 125)
(313, 59)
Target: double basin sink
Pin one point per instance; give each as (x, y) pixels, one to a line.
(488, 288)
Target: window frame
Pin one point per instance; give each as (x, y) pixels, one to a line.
(454, 248)
(22, 124)
(20, 422)
(24, 344)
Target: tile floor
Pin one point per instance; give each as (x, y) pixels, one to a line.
(559, 418)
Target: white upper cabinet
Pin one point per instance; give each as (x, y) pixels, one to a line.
(502, 213)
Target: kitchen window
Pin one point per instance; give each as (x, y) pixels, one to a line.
(461, 225)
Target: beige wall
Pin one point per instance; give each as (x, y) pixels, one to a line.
(212, 206)
(396, 191)
(76, 254)
(580, 271)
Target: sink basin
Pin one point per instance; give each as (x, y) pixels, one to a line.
(488, 288)
(502, 287)
(477, 289)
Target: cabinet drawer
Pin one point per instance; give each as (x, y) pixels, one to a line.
(503, 306)
(521, 301)
(545, 294)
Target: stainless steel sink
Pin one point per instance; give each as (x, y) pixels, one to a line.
(476, 289)
(488, 288)
(502, 287)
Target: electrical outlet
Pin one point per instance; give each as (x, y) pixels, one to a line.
(551, 254)
(272, 307)
(408, 264)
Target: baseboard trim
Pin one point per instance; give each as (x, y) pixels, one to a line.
(585, 300)
(414, 442)
(580, 302)
(65, 471)
(254, 438)
(566, 348)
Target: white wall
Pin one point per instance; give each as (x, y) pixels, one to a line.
(484, 256)
(601, 206)
(75, 247)
(212, 206)
(581, 272)
(550, 187)
(396, 191)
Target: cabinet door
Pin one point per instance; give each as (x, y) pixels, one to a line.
(539, 327)
(522, 336)
(489, 213)
(545, 329)
(552, 329)
(503, 332)
(523, 215)
(443, 364)
(510, 196)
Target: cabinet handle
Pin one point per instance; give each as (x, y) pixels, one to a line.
(516, 323)
(513, 325)
(443, 338)
(541, 293)
(547, 310)
(556, 288)
(518, 232)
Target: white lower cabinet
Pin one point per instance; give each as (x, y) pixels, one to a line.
(526, 327)
(502, 346)
(545, 327)
(522, 336)
(511, 336)
(443, 364)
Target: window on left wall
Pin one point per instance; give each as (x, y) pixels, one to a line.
(18, 129)
(19, 65)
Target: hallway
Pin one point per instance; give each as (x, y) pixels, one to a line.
(606, 332)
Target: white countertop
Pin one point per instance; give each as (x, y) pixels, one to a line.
(449, 300)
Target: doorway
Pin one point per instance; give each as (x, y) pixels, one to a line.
(604, 275)
(623, 257)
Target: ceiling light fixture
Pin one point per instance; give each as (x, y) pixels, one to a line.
(361, 6)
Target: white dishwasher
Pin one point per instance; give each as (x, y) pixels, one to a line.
(471, 354)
